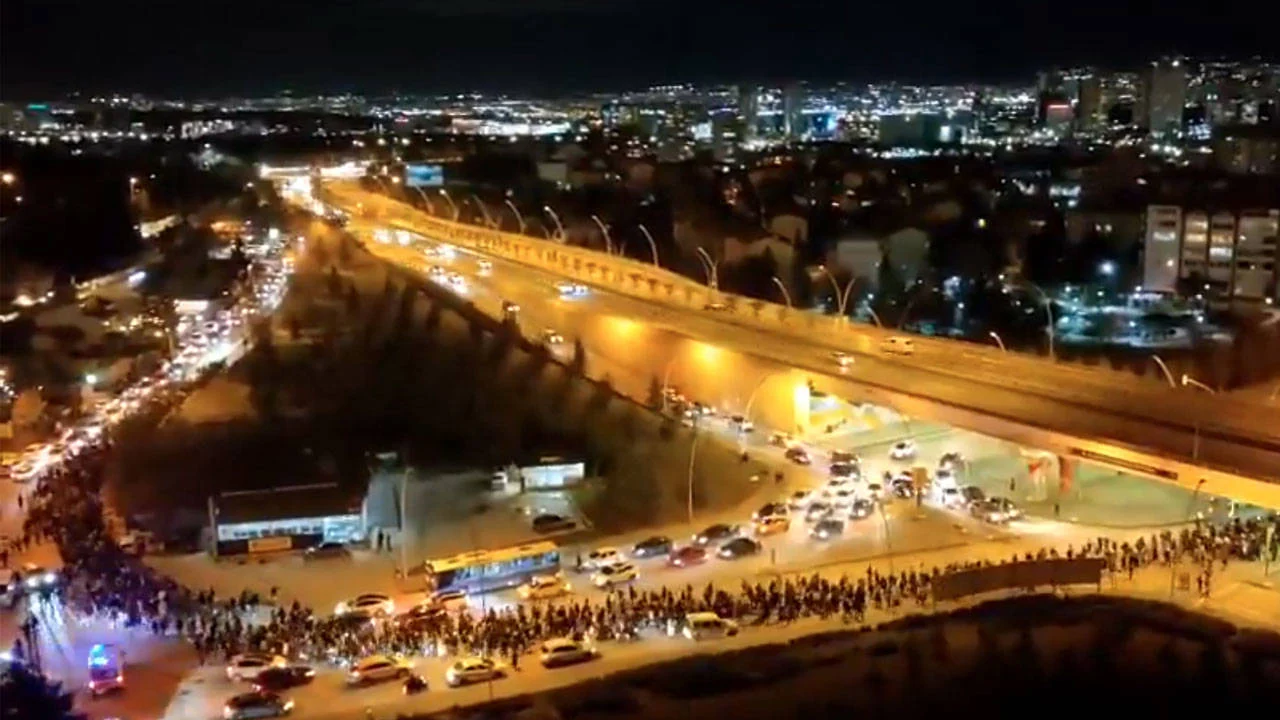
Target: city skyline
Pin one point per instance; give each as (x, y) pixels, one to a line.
(555, 46)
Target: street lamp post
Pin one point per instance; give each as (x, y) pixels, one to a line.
(1164, 369)
(608, 242)
(888, 544)
(556, 219)
(1191, 505)
(693, 449)
(999, 342)
(488, 220)
(653, 246)
(426, 200)
(842, 296)
(875, 317)
(1195, 441)
(785, 295)
(710, 267)
(453, 206)
(519, 217)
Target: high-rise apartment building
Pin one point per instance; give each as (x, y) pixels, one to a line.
(1232, 252)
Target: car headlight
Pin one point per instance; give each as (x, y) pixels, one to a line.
(33, 582)
(49, 578)
(288, 705)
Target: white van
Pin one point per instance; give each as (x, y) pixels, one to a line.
(898, 345)
(708, 626)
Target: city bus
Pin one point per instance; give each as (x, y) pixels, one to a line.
(485, 570)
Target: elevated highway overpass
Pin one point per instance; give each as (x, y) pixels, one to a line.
(1223, 445)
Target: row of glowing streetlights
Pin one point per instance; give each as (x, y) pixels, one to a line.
(710, 267)
(492, 222)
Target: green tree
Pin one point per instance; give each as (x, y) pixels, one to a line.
(28, 695)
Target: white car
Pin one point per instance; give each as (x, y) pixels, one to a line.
(543, 587)
(568, 289)
(903, 450)
(742, 424)
(707, 626)
(246, 667)
(377, 668)
(615, 574)
(564, 651)
(552, 338)
(841, 360)
(472, 670)
(602, 556)
(484, 268)
(367, 605)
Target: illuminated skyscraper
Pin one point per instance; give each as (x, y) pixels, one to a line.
(1165, 93)
(749, 109)
(793, 111)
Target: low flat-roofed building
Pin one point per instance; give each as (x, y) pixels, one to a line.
(285, 518)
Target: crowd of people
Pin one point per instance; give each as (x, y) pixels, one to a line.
(100, 580)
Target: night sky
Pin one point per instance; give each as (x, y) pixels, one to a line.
(195, 47)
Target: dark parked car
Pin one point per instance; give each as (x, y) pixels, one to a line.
(738, 548)
(714, 533)
(283, 678)
(971, 495)
(861, 508)
(550, 522)
(256, 705)
(843, 470)
(845, 456)
(827, 529)
(652, 547)
(326, 550)
(798, 455)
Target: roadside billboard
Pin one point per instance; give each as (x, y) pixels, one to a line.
(423, 175)
(552, 475)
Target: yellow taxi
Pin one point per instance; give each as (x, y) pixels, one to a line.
(772, 525)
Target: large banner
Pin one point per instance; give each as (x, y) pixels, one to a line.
(1026, 575)
(423, 176)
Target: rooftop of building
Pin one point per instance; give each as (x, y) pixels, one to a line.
(292, 501)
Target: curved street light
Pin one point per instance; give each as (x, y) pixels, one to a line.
(453, 206)
(555, 218)
(426, 200)
(488, 219)
(519, 217)
(874, 316)
(842, 296)
(785, 295)
(710, 267)
(653, 246)
(1000, 343)
(751, 400)
(1195, 440)
(1164, 369)
(608, 243)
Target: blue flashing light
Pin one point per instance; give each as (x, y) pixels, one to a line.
(98, 656)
